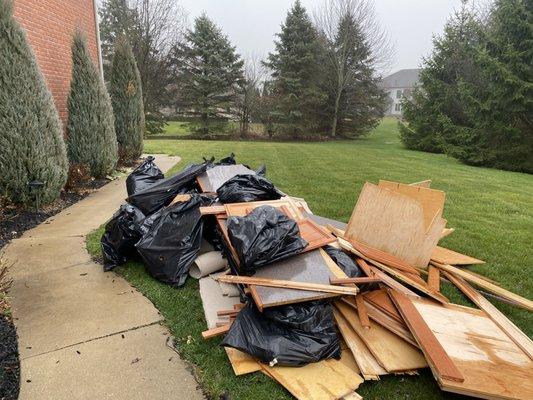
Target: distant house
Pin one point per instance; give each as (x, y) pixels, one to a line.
(49, 27)
(399, 85)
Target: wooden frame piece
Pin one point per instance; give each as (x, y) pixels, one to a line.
(282, 284)
(356, 281)
(430, 346)
(519, 300)
(220, 330)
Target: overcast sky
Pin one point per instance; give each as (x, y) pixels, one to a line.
(252, 24)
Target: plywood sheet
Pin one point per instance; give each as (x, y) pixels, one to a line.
(443, 255)
(215, 177)
(366, 362)
(306, 267)
(241, 362)
(431, 200)
(391, 352)
(394, 223)
(492, 365)
(325, 380)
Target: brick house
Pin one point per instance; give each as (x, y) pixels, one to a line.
(49, 26)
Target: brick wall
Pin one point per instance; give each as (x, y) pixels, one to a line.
(49, 26)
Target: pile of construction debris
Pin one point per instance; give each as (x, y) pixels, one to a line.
(318, 305)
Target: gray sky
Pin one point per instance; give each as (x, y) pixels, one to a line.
(252, 24)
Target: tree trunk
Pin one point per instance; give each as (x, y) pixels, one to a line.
(336, 112)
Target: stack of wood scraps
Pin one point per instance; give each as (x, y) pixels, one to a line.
(389, 313)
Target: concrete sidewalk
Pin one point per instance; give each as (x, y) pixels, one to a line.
(83, 333)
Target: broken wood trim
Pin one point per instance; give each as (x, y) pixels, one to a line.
(510, 329)
(220, 330)
(430, 346)
(346, 281)
(520, 301)
(361, 311)
(313, 287)
(212, 210)
(434, 278)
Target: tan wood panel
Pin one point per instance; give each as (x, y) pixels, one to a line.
(394, 223)
(391, 352)
(446, 256)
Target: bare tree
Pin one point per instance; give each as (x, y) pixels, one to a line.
(341, 38)
(250, 91)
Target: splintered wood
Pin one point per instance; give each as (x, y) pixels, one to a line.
(393, 222)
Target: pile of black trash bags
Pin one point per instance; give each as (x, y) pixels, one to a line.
(168, 237)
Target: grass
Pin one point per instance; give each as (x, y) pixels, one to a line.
(491, 210)
(178, 128)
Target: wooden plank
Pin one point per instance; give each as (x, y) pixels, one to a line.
(180, 198)
(394, 223)
(431, 200)
(391, 352)
(519, 300)
(241, 362)
(432, 349)
(364, 266)
(325, 380)
(361, 311)
(434, 278)
(212, 210)
(397, 274)
(492, 365)
(443, 255)
(511, 330)
(383, 257)
(380, 299)
(369, 367)
(220, 330)
(282, 284)
(356, 281)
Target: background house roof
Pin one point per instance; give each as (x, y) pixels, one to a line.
(404, 78)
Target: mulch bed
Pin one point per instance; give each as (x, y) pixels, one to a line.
(14, 221)
(9, 360)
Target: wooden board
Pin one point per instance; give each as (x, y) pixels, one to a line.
(394, 223)
(391, 352)
(492, 365)
(443, 255)
(380, 299)
(431, 200)
(243, 209)
(519, 300)
(397, 274)
(368, 366)
(285, 284)
(510, 329)
(325, 380)
(434, 278)
(241, 362)
(215, 177)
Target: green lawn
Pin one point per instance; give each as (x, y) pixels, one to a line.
(178, 128)
(491, 210)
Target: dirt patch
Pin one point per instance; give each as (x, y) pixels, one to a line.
(9, 360)
(15, 220)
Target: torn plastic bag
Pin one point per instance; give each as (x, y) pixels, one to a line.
(144, 176)
(245, 188)
(120, 235)
(291, 335)
(173, 240)
(163, 192)
(264, 236)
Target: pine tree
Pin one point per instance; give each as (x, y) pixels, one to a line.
(208, 72)
(294, 67)
(31, 137)
(356, 102)
(435, 112)
(91, 133)
(126, 97)
(500, 101)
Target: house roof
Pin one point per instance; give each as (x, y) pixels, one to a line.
(404, 78)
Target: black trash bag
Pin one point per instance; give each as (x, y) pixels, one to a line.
(264, 236)
(144, 176)
(173, 240)
(245, 188)
(229, 160)
(121, 234)
(291, 335)
(261, 171)
(163, 192)
(344, 261)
